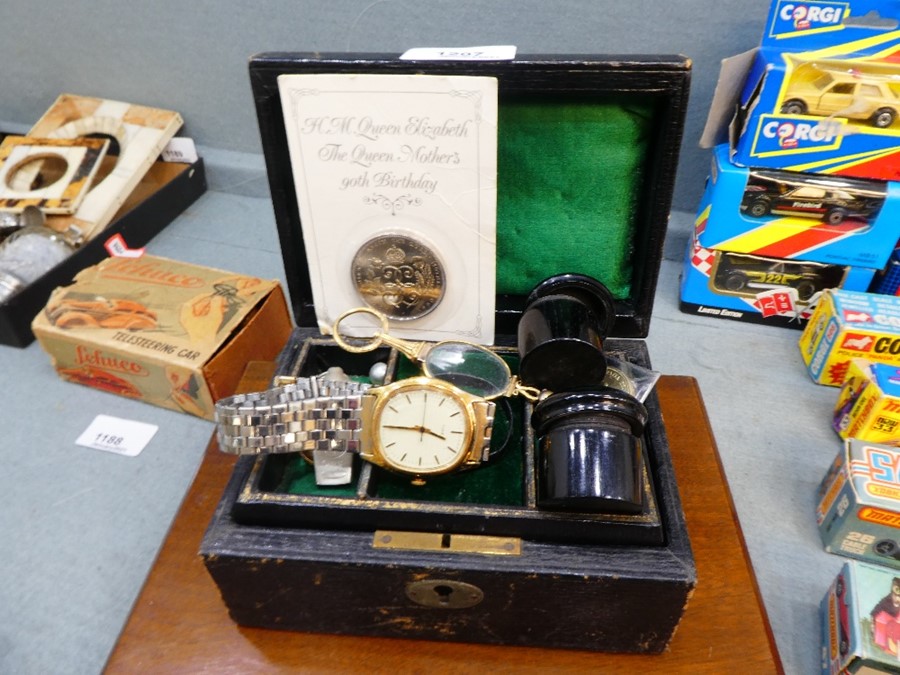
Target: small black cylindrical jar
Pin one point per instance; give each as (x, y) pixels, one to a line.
(561, 333)
(589, 455)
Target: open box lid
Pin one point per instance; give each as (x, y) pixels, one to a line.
(587, 153)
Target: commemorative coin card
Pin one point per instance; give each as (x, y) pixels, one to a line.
(395, 177)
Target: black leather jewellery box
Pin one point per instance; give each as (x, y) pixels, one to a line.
(587, 148)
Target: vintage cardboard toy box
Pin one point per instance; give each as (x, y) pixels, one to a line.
(868, 406)
(860, 626)
(847, 325)
(772, 291)
(820, 93)
(470, 556)
(858, 510)
(803, 217)
(165, 191)
(166, 332)
(135, 195)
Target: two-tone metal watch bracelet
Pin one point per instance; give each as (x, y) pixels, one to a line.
(303, 415)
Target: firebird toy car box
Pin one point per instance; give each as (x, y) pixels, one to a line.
(820, 94)
(798, 216)
(470, 556)
(166, 332)
(868, 406)
(858, 503)
(847, 325)
(860, 624)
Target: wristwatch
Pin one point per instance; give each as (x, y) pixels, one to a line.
(424, 426)
(302, 414)
(421, 426)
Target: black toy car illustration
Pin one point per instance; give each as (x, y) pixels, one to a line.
(830, 200)
(749, 274)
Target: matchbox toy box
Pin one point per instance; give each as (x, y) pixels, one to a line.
(779, 214)
(847, 325)
(168, 333)
(860, 627)
(820, 94)
(858, 503)
(868, 406)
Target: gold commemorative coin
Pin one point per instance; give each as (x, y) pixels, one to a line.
(399, 276)
(617, 379)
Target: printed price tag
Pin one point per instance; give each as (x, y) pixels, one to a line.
(114, 434)
(332, 467)
(180, 150)
(117, 248)
(491, 53)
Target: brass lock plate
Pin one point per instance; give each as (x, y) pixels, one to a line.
(444, 593)
(449, 543)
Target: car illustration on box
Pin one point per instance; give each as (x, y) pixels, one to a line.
(846, 93)
(830, 200)
(748, 274)
(91, 376)
(840, 591)
(96, 312)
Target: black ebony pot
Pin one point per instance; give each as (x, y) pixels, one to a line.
(561, 333)
(589, 451)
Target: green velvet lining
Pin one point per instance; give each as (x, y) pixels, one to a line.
(569, 175)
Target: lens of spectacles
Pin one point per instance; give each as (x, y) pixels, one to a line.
(469, 367)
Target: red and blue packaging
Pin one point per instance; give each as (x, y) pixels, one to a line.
(811, 217)
(770, 265)
(821, 93)
(804, 193)
(758, 289)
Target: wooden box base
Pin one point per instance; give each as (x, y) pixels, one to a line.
(180, 623)
(415, 568)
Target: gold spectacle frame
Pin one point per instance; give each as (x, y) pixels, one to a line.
(444, 360)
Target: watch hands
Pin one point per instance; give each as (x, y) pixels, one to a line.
(422, 425)
(421, 429)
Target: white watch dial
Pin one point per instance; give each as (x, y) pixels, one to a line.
(424, 430)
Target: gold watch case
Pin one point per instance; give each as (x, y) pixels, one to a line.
(424, 427)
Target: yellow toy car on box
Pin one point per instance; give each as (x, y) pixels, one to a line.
(842, 91)
(821, 93)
